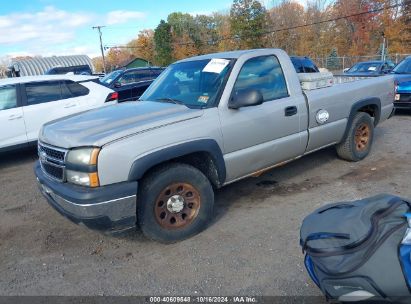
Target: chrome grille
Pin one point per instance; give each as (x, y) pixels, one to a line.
(53, 171)
(53, 153)
(405, 98)
(52, 161)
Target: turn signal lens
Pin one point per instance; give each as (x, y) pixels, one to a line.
(94, 156)
(94, 182)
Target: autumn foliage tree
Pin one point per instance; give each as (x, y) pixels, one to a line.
(353, 27)
(185, 35)
(117, 58)
(285, 16)
(248, 20)
(162, 44)
(143, 47)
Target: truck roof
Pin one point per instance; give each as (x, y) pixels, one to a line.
(226, 55)
(25, 79)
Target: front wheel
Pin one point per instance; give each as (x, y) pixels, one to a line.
(176, 202)
(357, 144)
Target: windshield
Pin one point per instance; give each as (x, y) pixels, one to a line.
(195, 84)
(365, 67)
(110, 77)
(404, 67)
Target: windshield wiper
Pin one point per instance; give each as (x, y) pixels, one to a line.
(171, 100)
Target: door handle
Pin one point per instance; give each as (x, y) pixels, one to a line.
(290, 111)
(69, 105)
(15, 117)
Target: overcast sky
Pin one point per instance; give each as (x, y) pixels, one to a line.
(58, 27)
(64, 27)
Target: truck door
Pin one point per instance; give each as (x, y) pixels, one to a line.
(13, 130)
(261, 136)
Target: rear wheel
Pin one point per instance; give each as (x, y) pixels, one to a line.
(176, 203)
(358, 142)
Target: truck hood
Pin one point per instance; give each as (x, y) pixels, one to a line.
(403, 83)
(402, 77)
(404, 87)
(100, 126)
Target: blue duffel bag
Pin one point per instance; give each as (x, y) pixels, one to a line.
(361, 250)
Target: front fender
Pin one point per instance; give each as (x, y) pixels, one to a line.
(142, 165)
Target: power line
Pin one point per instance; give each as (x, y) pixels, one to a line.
(120, 47)
(308, 24)
(290, 28)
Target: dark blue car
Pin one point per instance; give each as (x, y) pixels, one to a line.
(402, 74)
(130, 84)
(370, 68)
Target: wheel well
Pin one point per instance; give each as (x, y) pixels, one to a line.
(370, 106)
(372, 110)
(202, 161)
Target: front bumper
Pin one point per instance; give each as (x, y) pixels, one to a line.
(404, 101)
(111, 209)
(402, 105)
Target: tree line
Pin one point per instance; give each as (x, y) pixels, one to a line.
(319, 29)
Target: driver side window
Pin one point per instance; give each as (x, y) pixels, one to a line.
(127, 78)
(265, 75)
(8, 97)
(135, 76)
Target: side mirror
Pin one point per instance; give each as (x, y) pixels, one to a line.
(346, 70)
(245, 98)
(117, 84)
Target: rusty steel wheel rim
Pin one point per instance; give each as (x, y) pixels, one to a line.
(177, 206)
(362, 137)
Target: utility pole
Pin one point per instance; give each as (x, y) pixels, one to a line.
(99, 27)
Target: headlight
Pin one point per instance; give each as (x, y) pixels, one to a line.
(83, 156)
(81, 167)
(82, 179)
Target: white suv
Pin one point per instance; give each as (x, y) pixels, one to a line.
(26, 103)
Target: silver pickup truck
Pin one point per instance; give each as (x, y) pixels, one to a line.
(206, 121)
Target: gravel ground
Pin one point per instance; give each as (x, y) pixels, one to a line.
(251, 248)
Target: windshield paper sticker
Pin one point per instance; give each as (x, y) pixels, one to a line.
(203, 99)
(216, 66)
(372, 68)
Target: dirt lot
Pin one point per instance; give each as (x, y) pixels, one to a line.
(251, 248)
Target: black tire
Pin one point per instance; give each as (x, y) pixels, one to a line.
(356, 145)
(153, 191)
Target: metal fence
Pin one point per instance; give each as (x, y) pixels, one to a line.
(340, 63)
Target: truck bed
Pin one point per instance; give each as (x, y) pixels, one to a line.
(338, 79)
(342, 95)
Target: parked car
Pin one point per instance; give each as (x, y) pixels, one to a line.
(403, 95)
(131, 83)
(26, 103)
(304, 65)
(76, 70)
(402, 74)
(205, 122)
(370, 68)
